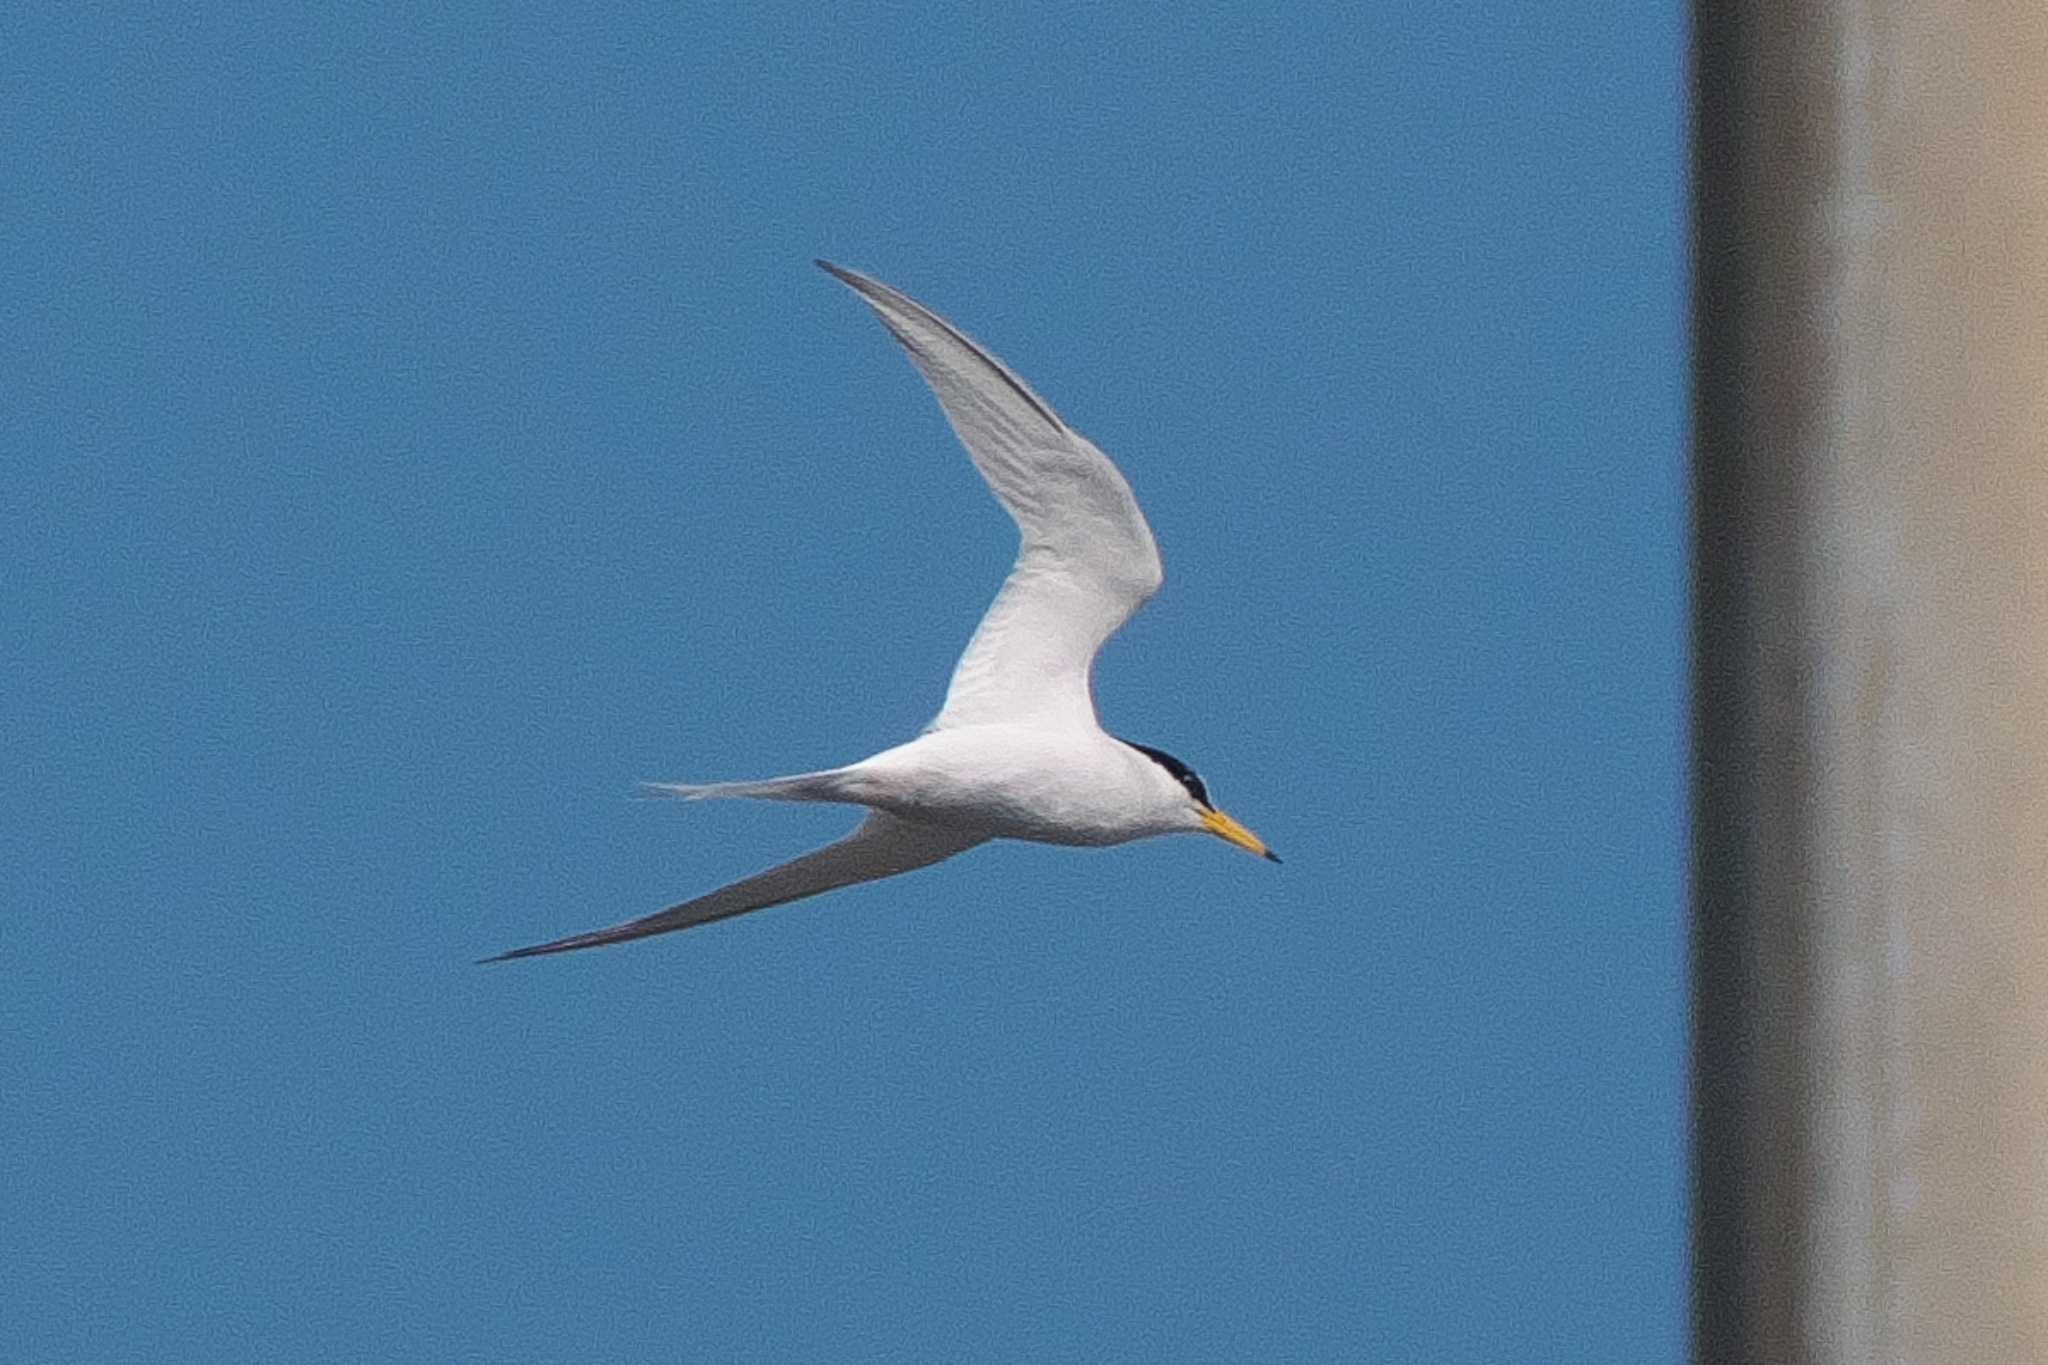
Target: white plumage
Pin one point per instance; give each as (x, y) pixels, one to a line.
(1016, 750)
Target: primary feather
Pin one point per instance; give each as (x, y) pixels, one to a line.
(880, 846)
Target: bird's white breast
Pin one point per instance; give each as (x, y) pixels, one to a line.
(1062, 786)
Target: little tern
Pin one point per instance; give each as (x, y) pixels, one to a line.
(1016, 751)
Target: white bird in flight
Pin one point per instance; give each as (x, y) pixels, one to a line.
(1016, 751)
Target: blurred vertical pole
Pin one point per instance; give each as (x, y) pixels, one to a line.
(1870, 891)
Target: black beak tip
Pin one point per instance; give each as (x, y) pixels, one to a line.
(1271, 856)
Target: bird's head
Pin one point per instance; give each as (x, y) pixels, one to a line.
(1184, 803)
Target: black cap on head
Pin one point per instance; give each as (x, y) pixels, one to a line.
(1182, 773)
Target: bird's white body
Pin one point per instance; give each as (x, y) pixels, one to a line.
(1055, 785)
(1016, 751)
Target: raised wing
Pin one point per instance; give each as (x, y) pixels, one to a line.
(880, 846)
(1087, 558)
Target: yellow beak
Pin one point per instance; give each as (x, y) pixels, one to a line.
(1228, 830)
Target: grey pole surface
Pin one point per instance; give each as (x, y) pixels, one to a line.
(1871, 674)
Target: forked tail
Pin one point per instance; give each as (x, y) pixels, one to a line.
(818, 786)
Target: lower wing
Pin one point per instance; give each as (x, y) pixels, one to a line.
(880, 846)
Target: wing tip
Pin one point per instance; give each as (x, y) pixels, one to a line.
(512, 955)
(888, 300)
(597, 938)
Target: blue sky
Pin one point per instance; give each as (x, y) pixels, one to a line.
(420, 426)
